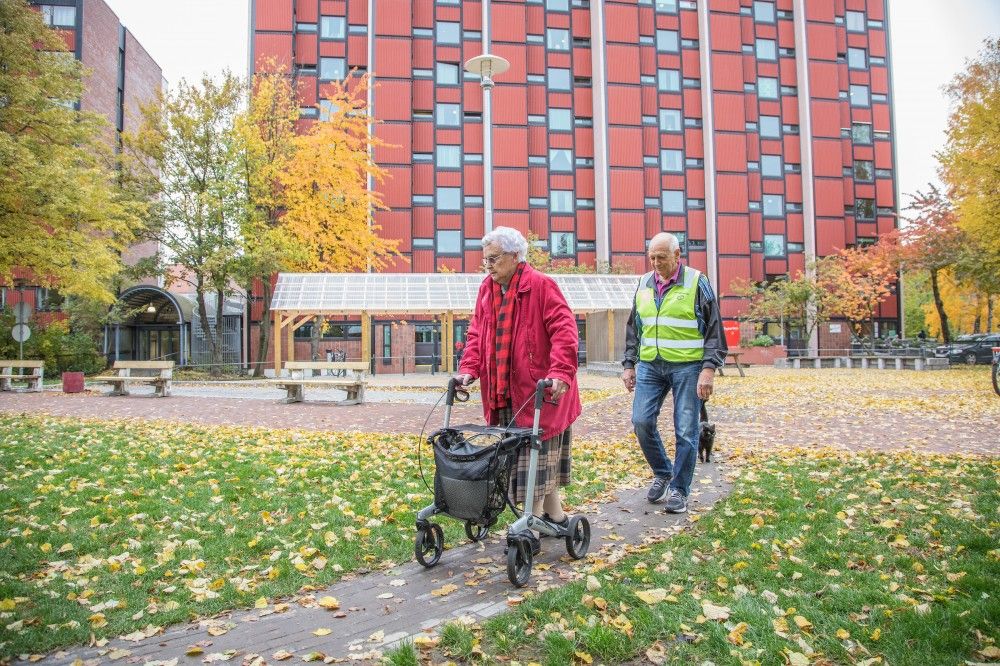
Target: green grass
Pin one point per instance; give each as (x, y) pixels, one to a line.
(898, 551)
(108, 527)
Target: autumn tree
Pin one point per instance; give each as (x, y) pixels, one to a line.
(265, 135)
(970, 164)
(857, 280)
(186, 152)
(329, 207)
(932, 242)
(799, 301)
(63, 215)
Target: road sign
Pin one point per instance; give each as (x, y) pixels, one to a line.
(22, 312)
(20, 332)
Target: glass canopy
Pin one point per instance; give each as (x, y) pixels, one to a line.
(431, 293)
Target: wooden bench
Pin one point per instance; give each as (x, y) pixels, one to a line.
(161, 380)
(736, 361)
(32, 378)
(354, 380)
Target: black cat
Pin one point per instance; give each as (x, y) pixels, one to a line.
(706, 437)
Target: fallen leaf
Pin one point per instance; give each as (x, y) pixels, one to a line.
(329, 603)
(713, 612)
(323, 631)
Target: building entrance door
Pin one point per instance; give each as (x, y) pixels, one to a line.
(428, 345)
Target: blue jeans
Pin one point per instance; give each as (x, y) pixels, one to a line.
(653, 380)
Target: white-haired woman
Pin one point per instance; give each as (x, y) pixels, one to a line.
(522, 331)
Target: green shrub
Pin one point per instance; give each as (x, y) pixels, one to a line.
(53, 343)
(761, 341)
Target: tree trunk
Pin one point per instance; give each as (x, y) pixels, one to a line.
(220, 302)
(939, 306)
(989, 313)
(264, 337)
(317, 331)
(977, 323)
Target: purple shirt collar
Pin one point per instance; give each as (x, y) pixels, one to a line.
(662, 285)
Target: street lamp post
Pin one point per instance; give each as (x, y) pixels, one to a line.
(486, 66)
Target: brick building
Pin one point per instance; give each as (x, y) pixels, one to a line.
(122, 75)
(760, 132)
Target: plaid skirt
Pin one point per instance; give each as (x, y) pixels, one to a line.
(554, 465)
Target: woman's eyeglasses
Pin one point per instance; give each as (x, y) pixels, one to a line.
(491, 260)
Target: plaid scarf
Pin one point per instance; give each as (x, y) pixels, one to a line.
(503, 320)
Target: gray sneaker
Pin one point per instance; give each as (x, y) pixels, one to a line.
(676, 502)
(658, 490)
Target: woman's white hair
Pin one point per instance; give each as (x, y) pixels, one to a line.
(509, 240)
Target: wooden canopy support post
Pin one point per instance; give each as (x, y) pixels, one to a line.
(279, 321)
(611, 335)
(447, 344)
(366, 338)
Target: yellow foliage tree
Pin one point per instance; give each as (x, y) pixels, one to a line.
(328, 206)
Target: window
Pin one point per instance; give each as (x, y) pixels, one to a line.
(563, 244)
(766, 49)
(770, 127)
(448, 32)
(864, 170)
(386, 344)
(673, 201)
(770, 166)
(449, 157)
(448, 74)
(584, 161)
(763, 12)
(305, 27)
(449, 241)
(417, 32)
(667, 41)
(856, 22)
(59, 17)
(557, 5)
(671, 161)
(857, 58)
(859, 96)
(474, 158)
(423, 157)
(423, 200)
(327, 109)
(774, 245)
(308, 112)
(681, 240)
(767, 88)
(448, 115)
(331, 69)
(861, 133)
(449, 198)
(473, 200)
(583, 121)
(864, 209)
(560, 160)
(559, 79)
(560, 120)
(774, 205)
(557, 39)
(538, 202)
(668, 80)
(331, 27)
(670, 120)
(669, 6)
(561, 201)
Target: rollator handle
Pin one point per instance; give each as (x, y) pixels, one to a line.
(455, 392)
(540, 392)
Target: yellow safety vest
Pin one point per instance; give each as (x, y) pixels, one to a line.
(670, 332)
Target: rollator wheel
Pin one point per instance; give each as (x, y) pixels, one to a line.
(476, 532)
(519, 562)
(429, 545)
(578, 539)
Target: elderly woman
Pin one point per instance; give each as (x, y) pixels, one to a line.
(522, 331)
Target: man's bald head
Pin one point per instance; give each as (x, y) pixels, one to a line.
(664, 254)
(665, 242)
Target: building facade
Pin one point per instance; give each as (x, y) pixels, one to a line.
(758, 131)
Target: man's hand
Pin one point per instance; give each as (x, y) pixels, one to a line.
(705, 380)
(628, 378)
(559, 387)
(464, 380)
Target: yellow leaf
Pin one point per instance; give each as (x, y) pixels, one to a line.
(323, 631)
(843, 634)
(281, 655)
(329, 603)
(426, 642)
(584, 657)
(876, 634)
(797, 659)
(653, 596)
(713, 612)
(45, 548)
(736, 635)
(97, 620)
(194, 651)
(7, 604)
(65, 548)
(444, 590)
(260, 603)
(802, 623)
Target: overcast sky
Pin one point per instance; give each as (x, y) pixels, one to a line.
(930, 41)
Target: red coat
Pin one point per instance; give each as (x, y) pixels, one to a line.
(545, 346)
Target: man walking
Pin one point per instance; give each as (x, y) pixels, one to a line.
(673, 342)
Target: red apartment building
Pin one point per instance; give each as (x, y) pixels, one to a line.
(758, 131)
(122, 75)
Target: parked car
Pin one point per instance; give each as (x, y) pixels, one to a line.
(970, 349)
